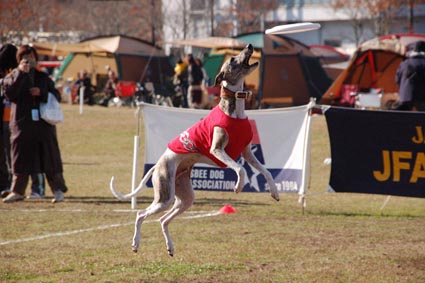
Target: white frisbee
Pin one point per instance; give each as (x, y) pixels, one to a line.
(292, 28)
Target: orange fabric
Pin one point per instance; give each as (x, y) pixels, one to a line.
(6, 113)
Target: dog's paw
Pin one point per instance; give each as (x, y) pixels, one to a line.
(273, 191)
(238, 189)
(241, 173)
(134, 247)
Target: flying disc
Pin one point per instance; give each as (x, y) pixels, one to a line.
(292, 28)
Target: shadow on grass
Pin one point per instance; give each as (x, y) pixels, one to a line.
(103, 200)
(223, 201)
(81, 163)
(365, 215)
(148, 200)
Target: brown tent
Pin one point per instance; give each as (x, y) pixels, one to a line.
(132, 59)
(291, 74)
(328, 54)
(373, 66)
(213, 42)
(331, 59)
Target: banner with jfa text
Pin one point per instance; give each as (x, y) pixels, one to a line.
(377, 152)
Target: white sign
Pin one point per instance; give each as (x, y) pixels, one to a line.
(280, 142)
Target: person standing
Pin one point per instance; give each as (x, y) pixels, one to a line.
(181, 80)
(410, 78)
(7, 64)
(196, 77)
(34, 144)
(38, 186)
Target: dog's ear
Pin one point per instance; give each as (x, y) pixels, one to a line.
(219, 78)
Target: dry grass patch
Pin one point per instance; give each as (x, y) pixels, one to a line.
(339, 238)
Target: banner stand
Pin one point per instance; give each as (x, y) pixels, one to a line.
(387, 199)
(302, 201)
(136, 155)
(306, 158)
(81, 99)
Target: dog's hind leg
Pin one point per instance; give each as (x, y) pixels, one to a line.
(141, 215)
(163, 180)
(184, 200)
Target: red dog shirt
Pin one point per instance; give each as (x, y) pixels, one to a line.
(198, 138)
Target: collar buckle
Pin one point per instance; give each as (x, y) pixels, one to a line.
(245, 94)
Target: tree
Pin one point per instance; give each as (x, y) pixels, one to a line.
(355, 11)
(176, 18)
(381, 12)
(251, 14)
(246, 16)
(141, 19)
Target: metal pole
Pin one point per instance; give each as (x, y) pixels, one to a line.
(135, 169)
(136, 157)
(81, 99)
(411, 17)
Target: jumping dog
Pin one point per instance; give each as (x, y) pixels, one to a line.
(216, 140)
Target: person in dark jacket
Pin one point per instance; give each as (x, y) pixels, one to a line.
(84, 81)
(196, 76)
(110, 88)
(7, 64)
(34, 144)
(410, 78)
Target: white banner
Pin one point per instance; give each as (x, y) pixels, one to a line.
(280, 141)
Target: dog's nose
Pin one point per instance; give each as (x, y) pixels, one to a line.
(249, 46)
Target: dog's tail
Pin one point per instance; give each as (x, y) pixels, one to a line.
(136, 190)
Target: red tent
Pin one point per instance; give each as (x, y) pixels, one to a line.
(373, 66)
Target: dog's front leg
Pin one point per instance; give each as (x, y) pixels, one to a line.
(251, 159)
(219, 143)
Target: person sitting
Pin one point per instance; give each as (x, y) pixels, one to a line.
(85, 82)
(109, 89)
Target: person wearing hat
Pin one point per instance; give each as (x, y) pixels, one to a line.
(410, 77)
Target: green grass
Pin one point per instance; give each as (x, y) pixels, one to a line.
(336, 238)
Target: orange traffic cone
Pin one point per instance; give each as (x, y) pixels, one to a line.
(227, 209)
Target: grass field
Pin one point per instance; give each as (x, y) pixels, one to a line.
(338, 238)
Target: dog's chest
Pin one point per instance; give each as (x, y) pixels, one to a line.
(198, 138)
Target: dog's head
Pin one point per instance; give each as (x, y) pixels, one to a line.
(236, 68)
